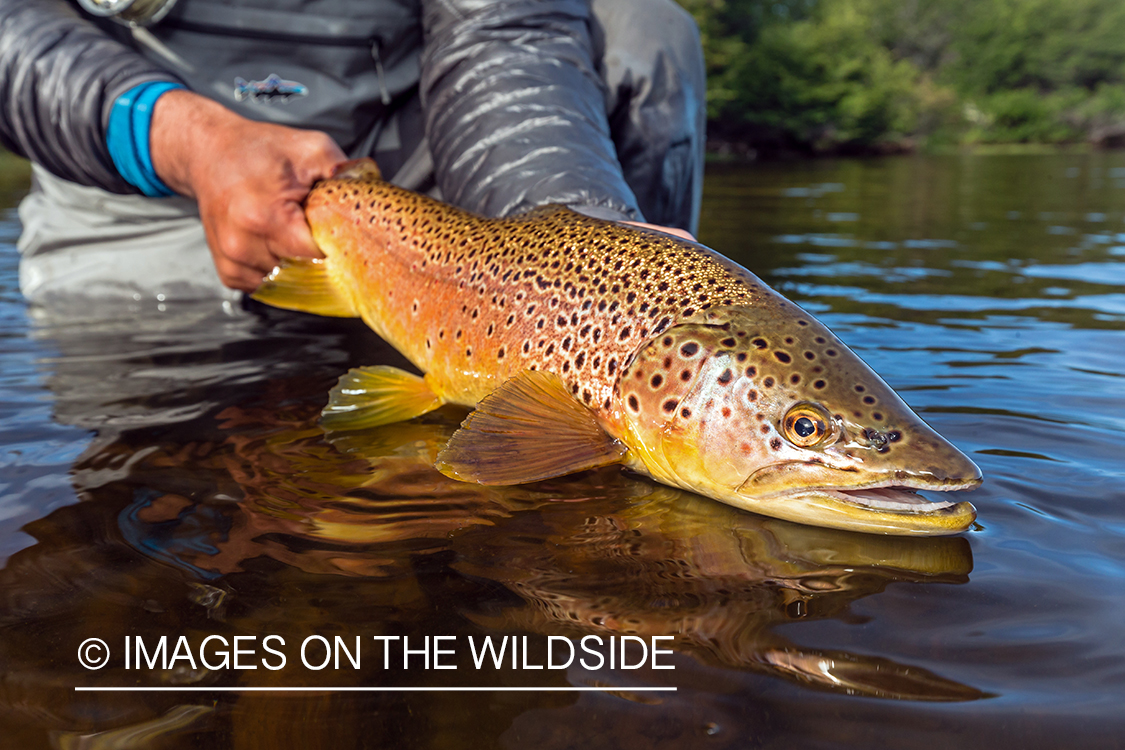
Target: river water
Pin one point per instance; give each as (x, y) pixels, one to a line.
(162, 475)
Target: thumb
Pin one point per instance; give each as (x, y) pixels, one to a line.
(293, 238)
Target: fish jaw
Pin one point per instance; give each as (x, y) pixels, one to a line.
(833, 498)
(883, 509)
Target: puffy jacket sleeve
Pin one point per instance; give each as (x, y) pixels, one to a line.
(59, 75)
(515, 107)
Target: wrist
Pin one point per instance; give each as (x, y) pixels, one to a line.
(182, 124)
(128, 136)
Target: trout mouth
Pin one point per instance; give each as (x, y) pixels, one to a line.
(879, 507)
(891, 498)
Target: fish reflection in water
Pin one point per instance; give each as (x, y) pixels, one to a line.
(239, 518)
(598, 554)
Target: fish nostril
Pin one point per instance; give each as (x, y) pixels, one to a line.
(875, 437)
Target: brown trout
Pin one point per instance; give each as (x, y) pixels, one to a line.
(581, 343)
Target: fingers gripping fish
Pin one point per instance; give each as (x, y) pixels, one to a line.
(581, 343)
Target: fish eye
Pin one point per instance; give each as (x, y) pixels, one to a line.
(806, 425)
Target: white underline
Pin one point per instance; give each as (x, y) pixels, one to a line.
(347, 689)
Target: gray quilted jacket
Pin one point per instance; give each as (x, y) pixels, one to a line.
(512, 101)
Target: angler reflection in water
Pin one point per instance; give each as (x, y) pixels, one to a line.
(211, 504)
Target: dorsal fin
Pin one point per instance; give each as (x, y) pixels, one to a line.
(528, 429)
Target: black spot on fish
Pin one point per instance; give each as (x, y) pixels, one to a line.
(794, 378)
(775, 443)
(657, 380)
(819, 384)
(685, 412)
(689, 349)
(670, 405)
(894, 436)
(868, 399)
(726, 376)
(782, 357)
(760, 343)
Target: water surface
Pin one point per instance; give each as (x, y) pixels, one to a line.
(162, 473)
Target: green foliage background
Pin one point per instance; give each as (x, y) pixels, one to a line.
(871, 75)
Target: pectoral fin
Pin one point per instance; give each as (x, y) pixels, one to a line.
(303, 284)
(530, 428)
(373, 396)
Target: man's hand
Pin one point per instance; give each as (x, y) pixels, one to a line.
(249, 179)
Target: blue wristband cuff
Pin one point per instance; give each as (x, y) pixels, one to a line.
(127, 136)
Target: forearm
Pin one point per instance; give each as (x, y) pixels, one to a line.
(59, 75)
(515, 109)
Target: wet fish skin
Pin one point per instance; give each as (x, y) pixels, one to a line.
(584, 342)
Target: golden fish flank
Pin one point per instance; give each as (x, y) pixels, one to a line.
(583, 342)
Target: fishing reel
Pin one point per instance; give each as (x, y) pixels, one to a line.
(129, 12)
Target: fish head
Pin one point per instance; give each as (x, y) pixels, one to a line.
(766, 409)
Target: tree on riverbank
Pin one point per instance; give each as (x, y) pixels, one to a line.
(863, 75)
